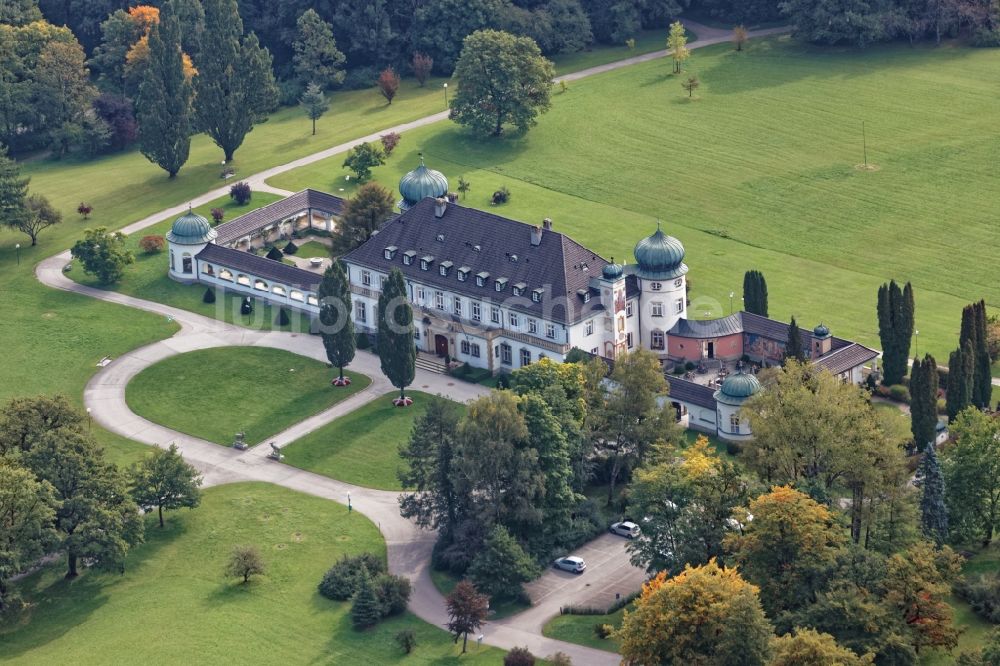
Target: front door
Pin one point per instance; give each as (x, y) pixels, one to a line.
(710, 350)
(440, 345)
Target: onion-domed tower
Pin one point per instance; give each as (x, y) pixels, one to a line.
(660, 270)
(735, 390)
(188, 235)
(421, 183)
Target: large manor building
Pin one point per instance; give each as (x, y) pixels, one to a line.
(500, 294)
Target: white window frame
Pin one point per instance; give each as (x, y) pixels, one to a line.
(588, 328)
(656, 309)
(550, 331)
(477, 311)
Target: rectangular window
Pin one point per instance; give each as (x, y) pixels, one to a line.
(506, 354)
(361, 312)
(628, 309)
(628, 340)
(656, 309)
(679, 306)
(512, 320)
(439, 300)
(550, 331)
(416, 333)
(381, 281)
(656, 340)
(481, 279)
(366, 278)
(458, 306)
(477, 314)
(474, 350)
(390, 252)
(495, 315)
(595, 351)
(408, 258)
(734, 423)
(532, 326)
(536, 295)
(525, 357)
(443, 270)
(588, 328)
(463, 274)
(465, 347)
(421, 295)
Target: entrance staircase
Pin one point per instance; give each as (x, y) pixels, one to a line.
(430, 363)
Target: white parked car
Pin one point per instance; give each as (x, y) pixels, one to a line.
(572, 564)
(625, 528)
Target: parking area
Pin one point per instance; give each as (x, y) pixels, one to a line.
(608, 573)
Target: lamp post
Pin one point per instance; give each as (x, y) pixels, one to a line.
(446, 94)
(88, 419)
(731, 294)
(916, 342)
(18, 248)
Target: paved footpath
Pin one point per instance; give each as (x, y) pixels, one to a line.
(408, 547)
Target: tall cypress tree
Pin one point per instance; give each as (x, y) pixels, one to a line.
(959, 380)
(983, 389)
(396, 349)
(163, 108)
(235, 84)
(885, 330)
(755, 293)
(13, 191)
(905, 326)
(336, 325)
(896, 313)
(923, 400)
(793, 346)
(933, 510)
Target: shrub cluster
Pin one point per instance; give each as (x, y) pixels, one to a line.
(152, 244)
(983, 594)
(240, 192)
(519, 656)
(343, 578)
(470, 374)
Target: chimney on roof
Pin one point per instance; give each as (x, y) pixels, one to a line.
(440, 205)
(547, 224)
(452, 197)
(536, 235)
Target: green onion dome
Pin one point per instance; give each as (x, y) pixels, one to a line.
(191, 229)
(737, 388)
(821, 331)
(612, 271)
(420, 184)
(660, 256)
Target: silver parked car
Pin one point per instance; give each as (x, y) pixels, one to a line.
(625, 528)
(572, 564)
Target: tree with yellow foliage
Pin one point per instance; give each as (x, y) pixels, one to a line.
(786, 547)
(677, 45)
(686, 501)
(808, 646)
(704, 616)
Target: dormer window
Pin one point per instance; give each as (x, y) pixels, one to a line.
(463, 273)
(389, 252)
(408, 257)
(584, 295)
(481, 279)
(519, 288)
(425, 262)
(536, 295)
(444, 267)
(500, 284)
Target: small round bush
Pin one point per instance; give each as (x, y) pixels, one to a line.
(899, 393)
(240, 192)
(341, 581)
(291, 248)
(689, 366)
(602, 630)
(152, 244)
(406, 640)
(275, 254)
(519, 656)
(393, 592)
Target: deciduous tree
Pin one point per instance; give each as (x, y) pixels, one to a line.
(164, 104)
(317, 59)
(363, 215)
(336, 323)
(467, 610)
(103, 254)
(740, 37)
(362, 159)
(918, 582)
(972, 476)
(396, 351)
(27, 518)
(691, 619)
(388, 84)
(677, 45)
(502, 566)
(244, 562)
(38, 214)
(502, 79)
(690, 85)
(808, 646)
(421, 65)
(162, 479)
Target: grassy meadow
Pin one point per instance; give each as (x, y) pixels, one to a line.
(173, 605)
(759, 171)
(214, 393)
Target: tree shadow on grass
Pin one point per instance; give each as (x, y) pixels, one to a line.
(485, 152)
(59, 605)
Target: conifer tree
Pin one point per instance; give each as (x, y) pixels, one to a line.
(396, 350)
(235, 84)
(13, 191)
(933, 510)
(896, 312)
(755, 293)
(336, 325)
(960, 367)
(163, 109)
(923, 400)
(317, 58)
(793, 347)
(366, 610)
(314, 102)
(983, 387)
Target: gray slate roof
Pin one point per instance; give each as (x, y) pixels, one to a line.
(708, 328)
(682, 390)
(845, 358)
(262, 267)
(236, 228)
(558, 264)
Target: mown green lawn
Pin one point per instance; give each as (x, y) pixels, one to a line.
(214, 393)
(313, 249)
(580, 629)
(760, 173)
(361, 447)
(173, 605)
